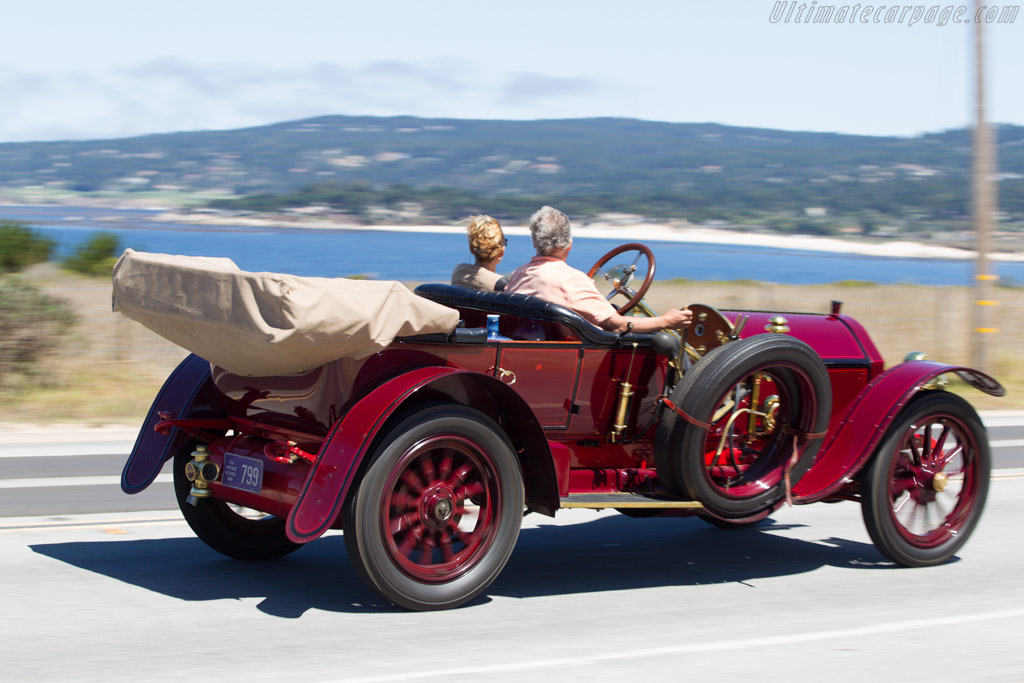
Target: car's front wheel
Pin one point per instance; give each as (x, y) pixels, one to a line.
(438, 511)
(926, 486)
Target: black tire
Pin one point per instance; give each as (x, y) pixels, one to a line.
(750, 479)
(747, 523)
(936, 433)
(409, 526)
(223, 528)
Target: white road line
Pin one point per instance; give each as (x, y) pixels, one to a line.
(122, 450)
(63, 523)
(923, 625)
(112, 480)
(73, 527)
(39, 482)
(118, 448)
(1000, 421)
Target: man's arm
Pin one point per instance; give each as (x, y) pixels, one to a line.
(595, 307)
(673, 319)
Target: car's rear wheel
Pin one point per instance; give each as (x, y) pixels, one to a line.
(230, 530)
(927, 483)
(758, 409)
(437, 513)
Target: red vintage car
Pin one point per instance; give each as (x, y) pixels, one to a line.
(428, 453)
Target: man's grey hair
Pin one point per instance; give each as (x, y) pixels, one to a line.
(550, 230)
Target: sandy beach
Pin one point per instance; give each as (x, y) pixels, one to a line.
(638, 231)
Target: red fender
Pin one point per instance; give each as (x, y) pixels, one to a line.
(351, 438)
(187, 392)
(848, 448)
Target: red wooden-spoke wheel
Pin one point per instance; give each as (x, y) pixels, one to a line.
(631, 260)
(437, 513)
(927, 484)
(441, 507)
(737, 466)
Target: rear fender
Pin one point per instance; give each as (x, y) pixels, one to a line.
(188, 392)
(344, 452)
(848, 447)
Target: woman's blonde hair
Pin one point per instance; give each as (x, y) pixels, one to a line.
(485, 237)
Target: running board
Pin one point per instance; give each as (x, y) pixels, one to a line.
(623, 500)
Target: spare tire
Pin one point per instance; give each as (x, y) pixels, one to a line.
(748, 476)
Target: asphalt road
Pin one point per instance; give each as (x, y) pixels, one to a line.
(93, 592)
(50, 477)
(586, 597)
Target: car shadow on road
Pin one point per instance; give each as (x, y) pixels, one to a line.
(608, 554)
(618, 553)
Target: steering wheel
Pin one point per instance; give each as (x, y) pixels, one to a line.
(620, 276)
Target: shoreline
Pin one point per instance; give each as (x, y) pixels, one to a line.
(665, 231)
(640, 231)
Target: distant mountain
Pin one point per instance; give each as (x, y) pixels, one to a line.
(705, 168)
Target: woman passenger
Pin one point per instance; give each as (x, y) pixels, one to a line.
(487, 244)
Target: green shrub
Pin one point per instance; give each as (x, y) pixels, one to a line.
(95, 257)
(21, 247)
(31, 324)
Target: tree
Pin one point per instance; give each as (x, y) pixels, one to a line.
(95, 257)
(21, 247)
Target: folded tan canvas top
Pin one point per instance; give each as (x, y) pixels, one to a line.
(261, 324)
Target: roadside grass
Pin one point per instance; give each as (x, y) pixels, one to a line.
(101, 371)
(96, 394)
(1009, 371)
(109, 369)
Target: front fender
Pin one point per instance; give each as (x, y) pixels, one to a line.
(187, 392)
(848, 447)
(352, 438)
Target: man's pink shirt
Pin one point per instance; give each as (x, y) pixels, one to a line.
(554, 280)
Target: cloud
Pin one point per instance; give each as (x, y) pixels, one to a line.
(168, 94)
(529, 88)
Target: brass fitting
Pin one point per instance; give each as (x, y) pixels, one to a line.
(201, 471)
(621, 410)
(770, 408)
(777, 323)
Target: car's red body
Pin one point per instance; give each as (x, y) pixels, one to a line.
(555, 401)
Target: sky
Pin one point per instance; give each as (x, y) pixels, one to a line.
(114, 68)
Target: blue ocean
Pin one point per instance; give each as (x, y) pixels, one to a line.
(427, 257)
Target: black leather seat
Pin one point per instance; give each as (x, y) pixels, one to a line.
(530, 308)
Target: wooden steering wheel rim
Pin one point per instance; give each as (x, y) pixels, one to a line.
(644, 286)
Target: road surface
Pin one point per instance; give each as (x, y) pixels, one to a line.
(95, 591)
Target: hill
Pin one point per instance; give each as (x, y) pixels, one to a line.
(698, 171)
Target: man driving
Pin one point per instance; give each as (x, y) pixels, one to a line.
(549, 277)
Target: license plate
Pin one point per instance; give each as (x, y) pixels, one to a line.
(245, 474)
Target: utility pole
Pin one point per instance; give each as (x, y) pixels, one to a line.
(984, 205)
